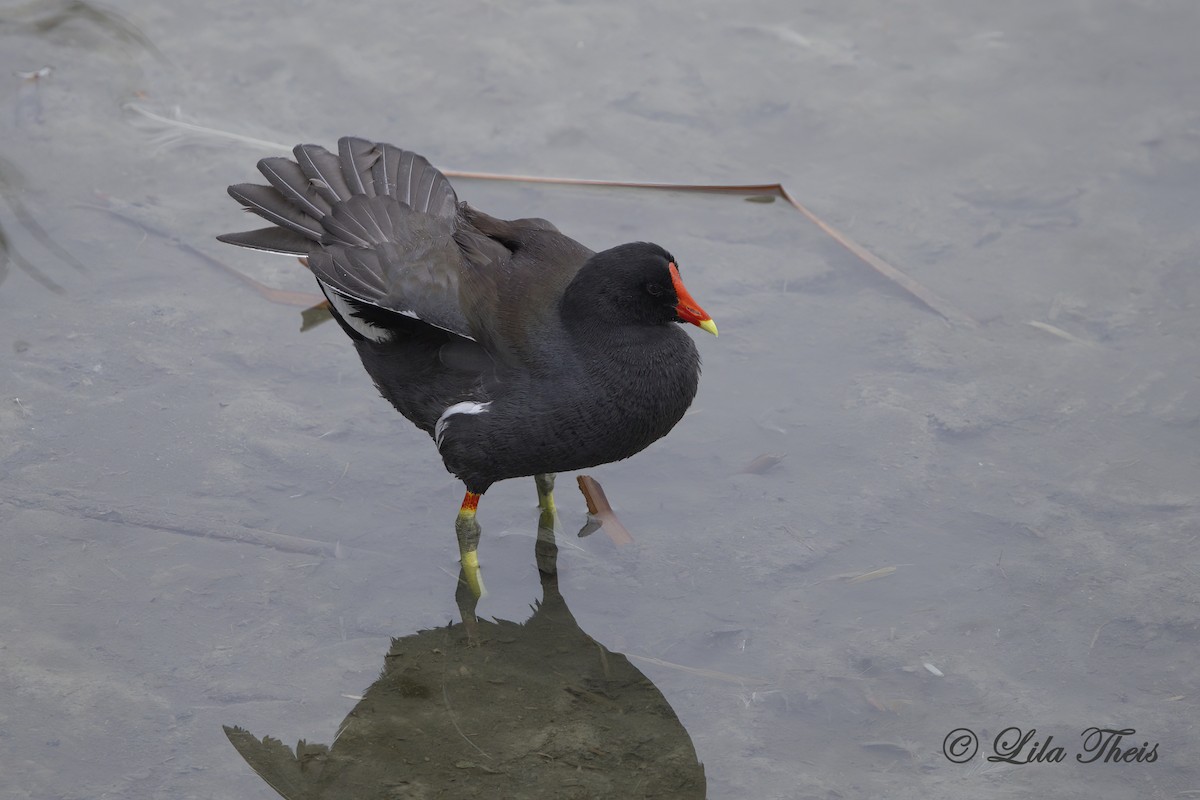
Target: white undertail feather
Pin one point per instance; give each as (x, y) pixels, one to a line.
(361, 326)
(465, 407)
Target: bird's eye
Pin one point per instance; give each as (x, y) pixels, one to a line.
(654, 289)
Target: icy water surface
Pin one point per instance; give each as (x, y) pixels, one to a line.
(875, 528)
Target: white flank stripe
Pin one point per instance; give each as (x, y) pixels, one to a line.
(364, 328)
(465, 407)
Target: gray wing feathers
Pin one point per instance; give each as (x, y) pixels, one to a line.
(411, 288)
(272, 240)
(271, 205)
(381, 170)
(401, 175)
(324, 171)
(287, 177)
(358, 159)
(366, 219)
(412, 180)
(376, 222)
(343, 271)
(348, 223)
(329, 198)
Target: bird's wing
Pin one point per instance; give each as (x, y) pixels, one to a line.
(514, 275)
(375, 222)
(383, 229)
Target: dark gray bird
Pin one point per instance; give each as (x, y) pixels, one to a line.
(519, 350)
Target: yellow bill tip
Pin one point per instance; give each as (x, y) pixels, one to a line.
(709, 326)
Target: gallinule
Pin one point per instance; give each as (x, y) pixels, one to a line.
(519, 350)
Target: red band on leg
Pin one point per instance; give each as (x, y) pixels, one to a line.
(470, 502)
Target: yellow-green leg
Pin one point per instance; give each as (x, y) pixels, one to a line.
(468, 532)
(545, 490)
(547, 523)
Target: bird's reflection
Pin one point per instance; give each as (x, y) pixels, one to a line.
(496, 709)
